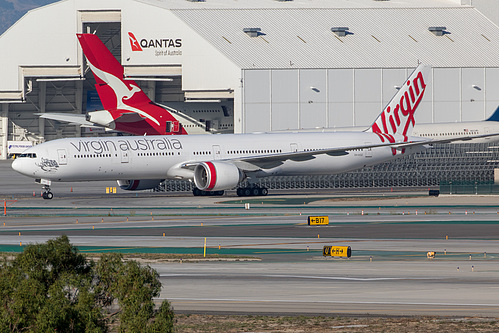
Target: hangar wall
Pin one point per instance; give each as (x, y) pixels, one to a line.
(276, 99)
(200, 62)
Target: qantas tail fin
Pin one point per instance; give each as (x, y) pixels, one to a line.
(398, 116)
(120, 96)
(108, 73)
(495, 116)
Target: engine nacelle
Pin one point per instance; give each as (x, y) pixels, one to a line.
(216, 176)
(137, 185)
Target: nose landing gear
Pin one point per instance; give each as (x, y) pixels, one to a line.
(46, 188)
(47, 194)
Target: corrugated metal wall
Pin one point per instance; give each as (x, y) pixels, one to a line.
(315, 98)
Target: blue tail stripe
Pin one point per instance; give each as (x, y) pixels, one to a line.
(495, 116)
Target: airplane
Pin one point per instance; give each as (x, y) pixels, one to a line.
(471, 131)
(220, 162)
(216, 117)
(468, 129)
(127, 107)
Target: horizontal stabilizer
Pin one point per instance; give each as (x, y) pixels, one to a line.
(75, 119)
(130, 117)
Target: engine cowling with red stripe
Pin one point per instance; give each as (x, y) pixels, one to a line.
(216, 176)
(138, 185)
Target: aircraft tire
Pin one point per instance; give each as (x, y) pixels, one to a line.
(47, 195)
(255, 191)
(264, 191)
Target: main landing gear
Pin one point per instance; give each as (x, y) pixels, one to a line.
(198, 193)
(252, 191)
(47, 194)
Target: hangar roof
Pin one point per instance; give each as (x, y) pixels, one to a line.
(376, 37)
(250, 4)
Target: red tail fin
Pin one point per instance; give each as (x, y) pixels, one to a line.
(123, 96)
(398, 115)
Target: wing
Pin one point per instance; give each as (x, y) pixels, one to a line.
(72, 118)
(268, 161)
(254, 163)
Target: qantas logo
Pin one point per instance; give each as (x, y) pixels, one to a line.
(133, 42)
(122, 91)
(399, 118)
(161, 43)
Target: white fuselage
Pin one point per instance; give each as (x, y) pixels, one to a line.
(436, 131)
(440, 131)
(162, 157)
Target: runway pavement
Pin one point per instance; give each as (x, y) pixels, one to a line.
(389, 234)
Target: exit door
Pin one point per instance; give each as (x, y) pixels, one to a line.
(368, 152)
(216, 152)
(63, 156)
(125, 156)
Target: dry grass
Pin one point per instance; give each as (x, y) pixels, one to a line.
(287, 324)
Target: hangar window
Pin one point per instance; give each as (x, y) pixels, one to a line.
(341, 31)
(438, 31)
(252, 32)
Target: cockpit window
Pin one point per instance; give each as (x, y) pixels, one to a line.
(29, 155)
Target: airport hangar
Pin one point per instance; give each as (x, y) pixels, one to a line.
(296, 64)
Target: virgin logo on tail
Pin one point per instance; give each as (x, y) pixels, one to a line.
(398, 117)
(134, 43)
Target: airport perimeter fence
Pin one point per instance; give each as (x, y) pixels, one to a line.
(457, 187)
(465, 163)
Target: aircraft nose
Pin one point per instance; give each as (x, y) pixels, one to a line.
(20, 165)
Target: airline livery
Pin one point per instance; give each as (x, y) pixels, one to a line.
(127, 107)
(143, 117)
(469, 130)
(220, 162)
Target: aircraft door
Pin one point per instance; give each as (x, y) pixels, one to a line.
(172, 126)
(368, 152)
(294, 147)
(217, 152)
(63, 156)
(125, 157)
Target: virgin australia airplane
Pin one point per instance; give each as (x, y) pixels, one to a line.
(220, 162)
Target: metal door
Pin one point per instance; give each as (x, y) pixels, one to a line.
(63, 156)
(368, 152)
(124, 156)
(217, 152)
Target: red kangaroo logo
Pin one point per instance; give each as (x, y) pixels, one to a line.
(134, 42)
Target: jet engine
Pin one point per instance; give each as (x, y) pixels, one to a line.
(137, 185)
(215, 176)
